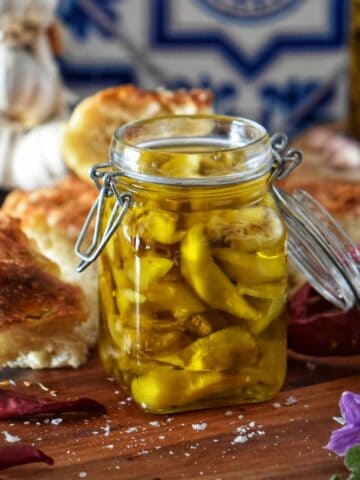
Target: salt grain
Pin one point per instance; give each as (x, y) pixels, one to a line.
(56, 421)
(109, 446)
(82, 475)
(276, 405)
(106, 430)
(339, 420)
(228, 413)
(10, 438)
(240, 439)
(291, 401)
(131, 430)
(199, 426)
(155, 423)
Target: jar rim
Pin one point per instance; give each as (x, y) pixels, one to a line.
(125, 152)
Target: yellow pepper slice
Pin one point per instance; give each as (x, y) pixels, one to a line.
(263, 290)
(227, 349)
(144, 270)
(182, 166)
(207, 279)
(164, 389)
(175, 297)
(250, 268)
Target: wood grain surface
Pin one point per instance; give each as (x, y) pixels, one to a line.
(129, 444)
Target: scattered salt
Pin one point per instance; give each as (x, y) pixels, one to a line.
(106, 430)
(228, 413)
(240, 417)
(240, 439)
(171, 452)
(199, 426)
(252, 424)
(291, 401)
(276, 405)
(56, 421)
(131, 430)
(82, 475)
(310, 366)
(161, 437)
(10, 438)
(109, 446)
(155, 423)
(339, 420)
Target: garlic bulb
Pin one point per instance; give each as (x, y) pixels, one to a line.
(33, 159)
(36, 12)
(29, 88)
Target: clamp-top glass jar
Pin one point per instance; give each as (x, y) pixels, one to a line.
(193, 264)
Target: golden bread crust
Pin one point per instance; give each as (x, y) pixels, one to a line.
(63, 206)
(40, 315)
(93, 122)
(30, 292)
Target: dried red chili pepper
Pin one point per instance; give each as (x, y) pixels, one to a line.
(15, 404)
(318, 328)
(20, 455)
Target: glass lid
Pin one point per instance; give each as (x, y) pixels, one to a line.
(317, 245)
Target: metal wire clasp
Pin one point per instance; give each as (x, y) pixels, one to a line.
(284, 162)
(105, 182)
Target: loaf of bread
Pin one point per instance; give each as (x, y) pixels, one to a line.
(93, 122)
(42, 318)
(52, 217)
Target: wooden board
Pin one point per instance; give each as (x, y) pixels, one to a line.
(125, 444)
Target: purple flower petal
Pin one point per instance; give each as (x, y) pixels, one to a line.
(343, 439)
(350, 408)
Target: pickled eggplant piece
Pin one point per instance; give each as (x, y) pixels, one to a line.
(158, 225)
(207, 279)
(250, 268)
(249, 229)
(166, 389)
(226, 349)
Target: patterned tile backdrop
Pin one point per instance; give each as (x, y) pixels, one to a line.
(282, 62)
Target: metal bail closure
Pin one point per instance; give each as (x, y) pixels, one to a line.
(317, 245)
(107, 188)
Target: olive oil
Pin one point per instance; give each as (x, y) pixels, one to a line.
(193, 287)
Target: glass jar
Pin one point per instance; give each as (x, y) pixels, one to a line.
(193, 262)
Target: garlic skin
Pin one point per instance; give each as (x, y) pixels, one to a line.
(37, 12)
(29, 87)
(33, 159)
(32, 99)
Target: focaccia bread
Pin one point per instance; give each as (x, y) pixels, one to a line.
(93, 122)
(41, 316)
(53, 218)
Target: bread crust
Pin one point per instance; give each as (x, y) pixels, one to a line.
(35, 305)
(91, 126)
(63, 206)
